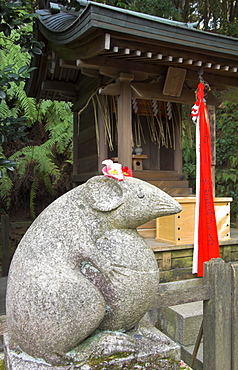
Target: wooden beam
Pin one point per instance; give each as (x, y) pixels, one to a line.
(109, 72)
(215, 79)
(125, 66)
(68, 63)
(154, 91)
(66, 88)
(174, 293)
(90, 72)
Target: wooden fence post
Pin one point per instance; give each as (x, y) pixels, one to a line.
(5, 244)
(234, 309)
(217, 316)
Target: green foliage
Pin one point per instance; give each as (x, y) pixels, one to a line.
(216, 15)
(36, 138)
(189, 149)
(46, 163)
(226, 154)
(8, 76)
(16, 19)
(17, 15)
(2, 364)
(164, 8)
(9, 165)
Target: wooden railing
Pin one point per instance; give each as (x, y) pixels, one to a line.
(219, 292)
(10, 235)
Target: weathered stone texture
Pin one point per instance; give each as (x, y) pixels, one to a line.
(82, 266)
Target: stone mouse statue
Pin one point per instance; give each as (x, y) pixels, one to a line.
(82, 266)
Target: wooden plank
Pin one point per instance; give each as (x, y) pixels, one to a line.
(87, 132)
(174, 81)
(148, 175)
(176, 274)
(217, 316)
(85, 87)
(166, 261)
(234, 317)
(5, 244)
(88, 164)
(87, 147)
(181, 262)
(148, 225)
(167, 297)
(179, 229)
(147, 233)
(169, 183)
(226, 253)
(166, 228)
(180, 253)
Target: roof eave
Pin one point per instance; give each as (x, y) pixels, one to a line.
(97, 17)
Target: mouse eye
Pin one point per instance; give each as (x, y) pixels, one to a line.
(141, 195)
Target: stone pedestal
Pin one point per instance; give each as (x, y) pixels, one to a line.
(144, 347)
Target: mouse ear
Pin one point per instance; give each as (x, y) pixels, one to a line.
(103, 193)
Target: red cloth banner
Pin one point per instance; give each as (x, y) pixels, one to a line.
(206, 245)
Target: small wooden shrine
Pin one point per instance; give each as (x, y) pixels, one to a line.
(127, 75)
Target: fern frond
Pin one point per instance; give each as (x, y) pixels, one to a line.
(4, 110)
(33, 193)
(5, 189)
(27, 105)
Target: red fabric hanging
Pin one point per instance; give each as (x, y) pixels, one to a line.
(206, 245)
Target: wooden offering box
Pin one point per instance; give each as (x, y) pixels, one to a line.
(179, 229)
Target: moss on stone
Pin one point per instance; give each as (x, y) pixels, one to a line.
(2, 364)
(109, 363)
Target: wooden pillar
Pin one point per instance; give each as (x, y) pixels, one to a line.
(178, 161)
(212, 120)
(234, 316)
(5, 244)
(217, 317)
(103, 150)
(76, 147)
(124, 121)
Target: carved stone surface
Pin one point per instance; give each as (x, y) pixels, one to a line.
(143, 347)
(82, 266)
